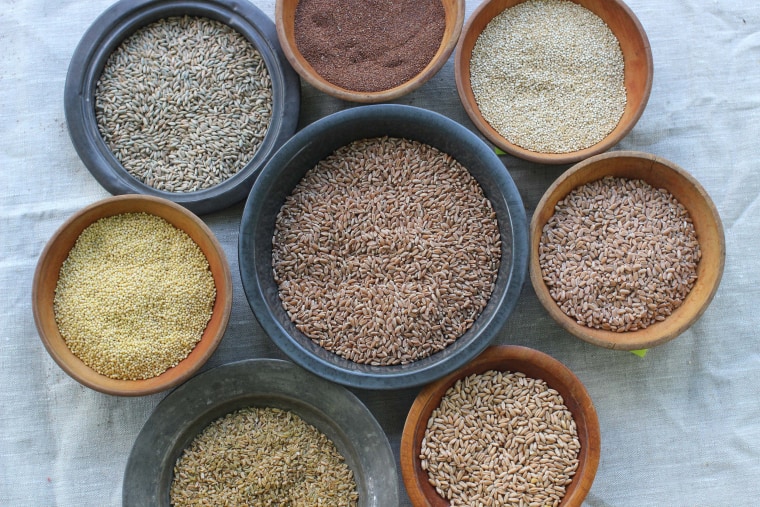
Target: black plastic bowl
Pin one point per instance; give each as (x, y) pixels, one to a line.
(120, 21)
(304, 151)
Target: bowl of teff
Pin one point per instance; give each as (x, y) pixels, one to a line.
(261, 432)
(627, 250)
(554, 81)
(368, 52)
(512, 427)
(383, 246)
(132, 295)
(180, 99)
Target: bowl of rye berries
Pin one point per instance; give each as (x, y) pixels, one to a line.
(627, 250)
(180, 99)
(383, 246)
(512, 427)
(368, 52)
(132, 295)
(554, 81)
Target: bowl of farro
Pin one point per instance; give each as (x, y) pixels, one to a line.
(132, 295)
(553, 81)
(383, 246)
(261, 432)
(368, 52)
(180, 99)
(512, 427)
(627, 250)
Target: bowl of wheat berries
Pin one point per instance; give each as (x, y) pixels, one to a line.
(132, 295)
(512, 427)
(627, 250)
(383, 246)
(554, 81)
(180, 99)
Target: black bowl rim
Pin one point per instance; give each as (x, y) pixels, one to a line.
(277, 383)
(331, 366)
(118, 22)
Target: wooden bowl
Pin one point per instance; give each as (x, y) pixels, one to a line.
(637, 57)
(659, 173)
(57, 250)
(285, 11)
(512, 358)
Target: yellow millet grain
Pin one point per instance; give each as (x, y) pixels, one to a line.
(134, 296)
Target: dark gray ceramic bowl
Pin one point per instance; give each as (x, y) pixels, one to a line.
(304, 151)
(187, 410)
(120, 21)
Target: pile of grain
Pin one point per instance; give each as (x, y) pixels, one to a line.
(134, 296)
(264, 457)
(501, 438)
(619, 254)
(386, 251)
(184, 103)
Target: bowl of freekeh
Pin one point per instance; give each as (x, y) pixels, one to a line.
(554, 81)
(627, 250)
(180, 99)
(512, 427)
(132, 295)
(368, 52)
(383, 246)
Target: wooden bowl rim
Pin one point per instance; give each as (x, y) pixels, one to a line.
(466, 96)
(307, 72)
(498, 357)
(75, 367)
(704, 290)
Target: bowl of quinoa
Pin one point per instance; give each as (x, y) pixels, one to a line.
(261, 432)
(627, 250)
(512, 427)
(179, 99)
(383, 247)
(132, 295)
(554, 81)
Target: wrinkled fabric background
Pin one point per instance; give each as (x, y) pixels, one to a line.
(680, 427)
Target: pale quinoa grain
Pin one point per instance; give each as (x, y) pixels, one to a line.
(133, 296)
(548, 75)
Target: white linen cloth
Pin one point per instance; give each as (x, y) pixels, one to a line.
(680, 427)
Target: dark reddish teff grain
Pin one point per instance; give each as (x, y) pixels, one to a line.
(369, 45)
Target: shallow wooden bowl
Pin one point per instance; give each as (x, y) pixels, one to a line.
(512, 358)
(637, 57)
(57, 250)
(659, 173)
(285, 11)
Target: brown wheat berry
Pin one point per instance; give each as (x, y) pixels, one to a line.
(386, 251)
(501, 438)
(619, 254)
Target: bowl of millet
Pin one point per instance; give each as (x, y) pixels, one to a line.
(627, 250)
(383, 246)
(132, 295)
(180, 99)
(554, 81)
(512, 427)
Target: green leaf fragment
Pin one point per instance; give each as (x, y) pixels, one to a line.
(640, 352)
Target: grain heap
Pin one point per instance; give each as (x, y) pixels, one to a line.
(619, 254)
(386, 251)
(184, 103)
(134, 296)
(265, 457)
(548, 76)
(500, 438)
(369, 46)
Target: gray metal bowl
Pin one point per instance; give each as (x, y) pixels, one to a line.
(120, 21)
(304, 151)
(332, 409)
